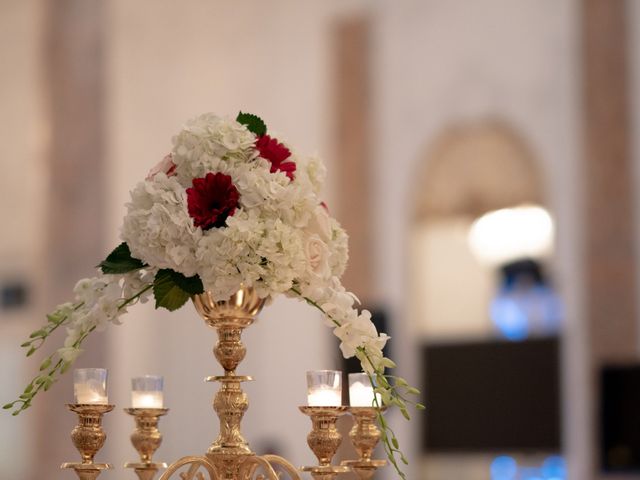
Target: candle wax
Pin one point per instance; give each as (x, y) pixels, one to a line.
(324, 397)
(361, 395)
(146, 399)
(90, 393)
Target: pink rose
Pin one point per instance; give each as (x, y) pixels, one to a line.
(317, 254)
(165, 166)
(320, 223)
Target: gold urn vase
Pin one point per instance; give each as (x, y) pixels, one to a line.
(229, 456)
(229, 318)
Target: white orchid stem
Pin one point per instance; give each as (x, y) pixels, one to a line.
(389, 440)
(43, 381)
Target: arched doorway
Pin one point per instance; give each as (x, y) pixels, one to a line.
(471, 173)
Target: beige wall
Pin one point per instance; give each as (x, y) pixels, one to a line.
(22, 184)
(441, 63)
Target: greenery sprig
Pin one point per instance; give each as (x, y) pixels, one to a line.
(393, 391)
(171, 291)
(54, 365)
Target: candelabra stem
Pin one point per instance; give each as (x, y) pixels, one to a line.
(324, 440)
(88, 438)
(229, 318)
(364, 436)
(229, 456)
(146, 439)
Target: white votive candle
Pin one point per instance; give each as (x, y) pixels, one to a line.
(146, 399)
(361, 391)
(324, 388)
(90, 386)
(324, 397)
(146, 391)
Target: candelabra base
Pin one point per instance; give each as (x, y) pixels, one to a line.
(87, 471)
(145, 471)
(364, 470)
(328, 472)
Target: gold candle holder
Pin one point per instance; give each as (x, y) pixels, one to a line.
(364, 436)
(146, 439)
(88, 438)
(324, 440)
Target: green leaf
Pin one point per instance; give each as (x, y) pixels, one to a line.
(37, 333)
(388, 363)
(253, 123)
(45, 364)
(168, 292)
(420, 406)
(401, 382)
(191, 285)
(55, 317)
(7, 406)
(120, 261)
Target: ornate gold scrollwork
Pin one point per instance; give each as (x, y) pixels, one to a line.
(267, 467)
(193, 473)
(273, 467)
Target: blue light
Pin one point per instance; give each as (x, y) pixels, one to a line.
(554, 468)
(509, 317)
(504, 468)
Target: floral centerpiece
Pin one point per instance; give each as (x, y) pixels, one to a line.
(229, 207)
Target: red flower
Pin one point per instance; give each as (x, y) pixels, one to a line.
(212, 200)
(276, 153)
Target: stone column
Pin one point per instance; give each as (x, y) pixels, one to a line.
(610, 277)
(74, 76)
(352, 86)
(353, 158)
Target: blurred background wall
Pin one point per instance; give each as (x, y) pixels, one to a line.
(429, 115)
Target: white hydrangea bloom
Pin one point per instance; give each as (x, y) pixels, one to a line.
(203, 143)
(158, 228)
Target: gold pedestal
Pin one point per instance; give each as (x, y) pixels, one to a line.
(364, 436)
(229, 457)
(324, 441)
(88, 438)
(229, 318)
(87, 472)
(146, 439)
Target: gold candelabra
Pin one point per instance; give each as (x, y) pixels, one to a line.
(364, 436)
(88, 437)
(229, 457)
(324, 440)
(146, 439)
